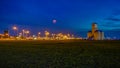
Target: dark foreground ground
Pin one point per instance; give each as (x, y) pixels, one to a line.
(60, 54)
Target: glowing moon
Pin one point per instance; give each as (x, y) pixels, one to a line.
(54, 21)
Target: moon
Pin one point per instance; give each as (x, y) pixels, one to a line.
(54, 21)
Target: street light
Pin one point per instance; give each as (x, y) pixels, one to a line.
(15, 29)
(23, 31)
(39, 34)
(47, 34)
(27, 32)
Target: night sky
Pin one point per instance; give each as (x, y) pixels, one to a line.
(72, 16)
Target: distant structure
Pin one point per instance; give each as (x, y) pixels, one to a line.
(95, 34)
(6, 34)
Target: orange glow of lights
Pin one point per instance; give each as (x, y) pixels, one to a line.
(27, 32)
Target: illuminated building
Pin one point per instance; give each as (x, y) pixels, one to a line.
(95, 34)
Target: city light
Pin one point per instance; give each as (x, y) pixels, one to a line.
(27, 32)
(15, 31)
(39, 33)
(46, 35)
(15, 28)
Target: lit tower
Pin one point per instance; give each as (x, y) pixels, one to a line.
(94, 27)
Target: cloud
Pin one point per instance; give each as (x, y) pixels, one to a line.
(111, 24)
(113, 19)
(115, 16)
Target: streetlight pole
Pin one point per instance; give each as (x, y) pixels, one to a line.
(39, 34)
(27, 32)
(15, 29)
(23, 31)
(47, 34)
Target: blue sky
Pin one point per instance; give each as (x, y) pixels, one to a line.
(71, 15)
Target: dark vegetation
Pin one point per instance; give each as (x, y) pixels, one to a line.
(60, 54)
